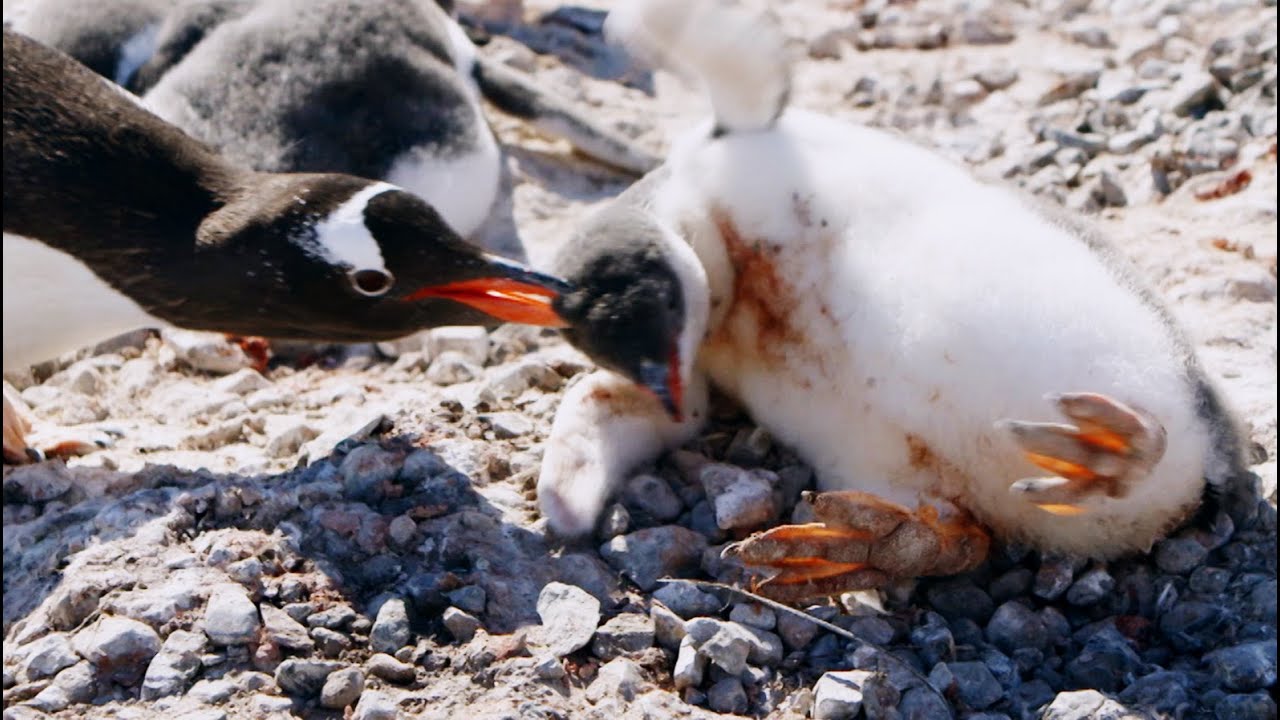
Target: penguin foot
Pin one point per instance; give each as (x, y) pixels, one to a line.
(860, 542)
(258, 349)
(27, 440)
(1109, 448)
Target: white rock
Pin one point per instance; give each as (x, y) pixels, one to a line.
(472, 342)
(231, 618)
(569, 616)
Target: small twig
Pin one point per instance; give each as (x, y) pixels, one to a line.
(829, 627)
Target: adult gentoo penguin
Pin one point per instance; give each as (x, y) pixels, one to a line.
(952, 361)
(115, 220)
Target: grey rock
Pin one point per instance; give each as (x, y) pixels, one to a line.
(871, 629)
(1194, 89)
(749, 447)
(652, 496)
(46, 656)
(205, 351)
(120, 647)
(796, 632)
(934, 641)
(1106, 662)
(624, 634)
(331, 643)
(741, 499)
(725, 644)
(690, 665)
(727, 696)
(507, 425)
(74, 685)
(175, 666)
(212, 692)
(231, 618)
(471, 598)
(375, 705)
(549, 667)
(1163, 691)
(283, 630)
(1180, 555)
(1053, 578)
(619, 678)
(1071, 83)
(1254, 706)
(753, 614)
(921, 704)
(304, 677)
(471, 342)
(461, 624)
(972, 682)
(766, 647)
(686, 600)
(1246, 667)
(668, 627)
(1086, 705)
(366, 471)
(1091, 587)
(646, 555)
(391, 627)
(241, 382)
(839, 695)
(615, 521)
(997, 77)
(384, 666)
(451, 368)
(986, 29)
(1014, 626)
(342, 688)
(960, 598)
(569, 616)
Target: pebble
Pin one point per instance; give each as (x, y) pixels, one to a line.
(231, 618)
(1091, 588)
(471, 342)
(212, 692)
(622, 635)
(1180, 555)
(342, 688)
(934, 641)
(1196, 88)
(46, 656)
(615, 521)
(727, 696)
(1086, 705)
(921, 704)
(569, 616)
(1246, 667)
(206, 351)
(119, 647)
(1162, 691)
(384, 666)
(335, 617)
(690, 665)
(1053, 578)
(971, 681)
(507, 425)
(646, 555)
(960, 598)
(749, 447)
(839, 695)
(471, 598)
(241, 382)
(753, 614)
(451, 368)
(668, 627)
(390, 630)
(304, 677)
(74, 685)
(1015, 626)
(686, 600)
(741, 499)
(331, 643)
(175, 665)
(375, 705)
(652, 496)
(619, 678)
(766, 647)
(796, 632)
(549, 667)
(725, 644)
(1255, 706)
(1106, 662)
(283, 630)
(461, 624)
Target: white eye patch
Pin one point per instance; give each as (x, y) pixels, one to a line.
(343, 238)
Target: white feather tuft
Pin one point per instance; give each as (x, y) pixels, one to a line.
(739, 55)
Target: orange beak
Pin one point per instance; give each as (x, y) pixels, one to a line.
(503, 298)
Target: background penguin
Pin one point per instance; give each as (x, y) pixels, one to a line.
(115, 220)
(853, 292)
(111, 37)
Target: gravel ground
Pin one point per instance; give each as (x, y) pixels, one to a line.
(357, 537)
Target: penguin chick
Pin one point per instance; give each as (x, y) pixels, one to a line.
(115, 220)
(866, 307)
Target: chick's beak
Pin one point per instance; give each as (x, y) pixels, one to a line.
(663, 380)
(518, 294)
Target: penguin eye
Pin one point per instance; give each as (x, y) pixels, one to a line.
(371, 283)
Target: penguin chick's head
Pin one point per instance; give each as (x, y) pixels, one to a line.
(336, 257)
(629, 306)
